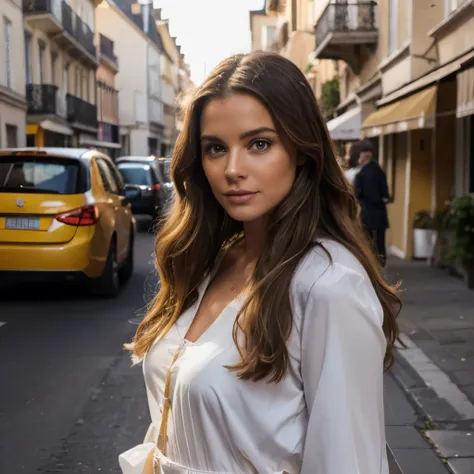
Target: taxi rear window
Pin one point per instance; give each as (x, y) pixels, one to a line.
(40, 175)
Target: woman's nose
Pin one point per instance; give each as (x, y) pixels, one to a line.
(235, 165)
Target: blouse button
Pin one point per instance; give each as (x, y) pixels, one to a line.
(161, 408)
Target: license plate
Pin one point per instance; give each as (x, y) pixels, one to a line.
(22, 223)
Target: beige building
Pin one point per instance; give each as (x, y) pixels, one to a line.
(287, 27)
(108, 140)
(170, 64)
(407, 79)
(138, 46)
(12, 75)
(61, 63)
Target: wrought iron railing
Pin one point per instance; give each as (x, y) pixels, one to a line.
(79, 30)
(80, 111)
(107, 48)
(41, 98)
(346, 17)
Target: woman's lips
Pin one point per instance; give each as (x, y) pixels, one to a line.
(240, 197)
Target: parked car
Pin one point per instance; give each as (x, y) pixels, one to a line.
(145, 177)
(65, 214)
(162, 168)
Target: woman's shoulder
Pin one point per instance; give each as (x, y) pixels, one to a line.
(329, 269)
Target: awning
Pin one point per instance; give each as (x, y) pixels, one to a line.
(414, 112)
(465, 102)
(347, 126)
(56, 127)
(89, 141)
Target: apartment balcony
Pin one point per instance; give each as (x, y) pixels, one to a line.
(107, 53)
(81, 114)
(76, 36)
(45, 99)
(46, 15)
(344, 30)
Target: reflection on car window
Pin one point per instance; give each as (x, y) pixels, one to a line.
(139, 175)
(38, 176)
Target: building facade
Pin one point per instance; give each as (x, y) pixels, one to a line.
(138, 46)
(170, 65)
(12, 75)
(60, 62)
(406, 82)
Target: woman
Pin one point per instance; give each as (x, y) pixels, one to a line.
(264, 349)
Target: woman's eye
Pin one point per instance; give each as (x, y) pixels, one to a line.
(214, 149)
(260, 145)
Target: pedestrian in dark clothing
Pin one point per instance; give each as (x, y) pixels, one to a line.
(372, 191)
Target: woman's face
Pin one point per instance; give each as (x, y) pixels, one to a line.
(246, 164)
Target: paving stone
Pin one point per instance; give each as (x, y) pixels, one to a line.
(462, 466)
(398, 410)
(447, 337)
(463, 377)
(405, 437)
(435, 407)
(419, 461)
(469, 391)
(453, 443)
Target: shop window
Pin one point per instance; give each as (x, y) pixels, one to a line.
(12, 136)
(471, 159)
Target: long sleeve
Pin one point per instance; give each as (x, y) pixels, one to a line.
(343, 345)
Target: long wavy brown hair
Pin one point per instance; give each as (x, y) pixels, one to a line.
(320, 204)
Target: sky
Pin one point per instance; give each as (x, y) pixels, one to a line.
(209, 30)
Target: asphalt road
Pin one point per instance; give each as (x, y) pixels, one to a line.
(69, 400)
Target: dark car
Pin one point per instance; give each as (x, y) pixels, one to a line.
(161, 167)
(144, 176)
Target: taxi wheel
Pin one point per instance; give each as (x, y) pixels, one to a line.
(108, 284)
(126, 271)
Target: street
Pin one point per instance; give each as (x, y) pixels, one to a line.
(69, 402)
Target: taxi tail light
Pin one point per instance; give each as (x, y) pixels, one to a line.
(87, 215)
(155, 187)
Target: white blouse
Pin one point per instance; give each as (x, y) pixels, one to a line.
(325, 417)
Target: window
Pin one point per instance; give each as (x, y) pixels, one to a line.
(42, 54)
(29, 76)
(471, 159)
(66, 78)
(12, 136)
(451, 5)
(139, 175)
(54, 63)
(268, 37)
(78, 82)
(85, 86)
(39, 175)
(110, 185)
(392, 26)
(7, 26)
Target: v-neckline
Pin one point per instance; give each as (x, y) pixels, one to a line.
(197, 305)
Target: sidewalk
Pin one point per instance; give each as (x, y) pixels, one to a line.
(436, 373)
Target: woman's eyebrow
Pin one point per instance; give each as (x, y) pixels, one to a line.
(248, 134)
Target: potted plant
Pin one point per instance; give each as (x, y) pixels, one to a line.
(423, 235)
(461, 221)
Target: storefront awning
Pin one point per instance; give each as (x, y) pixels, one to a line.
(85, 140)
(465, 102)
(413, 112)
(346, 127)
(56, 127)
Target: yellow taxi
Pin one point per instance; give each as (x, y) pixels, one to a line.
(65, 214)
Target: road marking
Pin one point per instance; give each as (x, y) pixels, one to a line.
(2, 323)
(436, 378)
